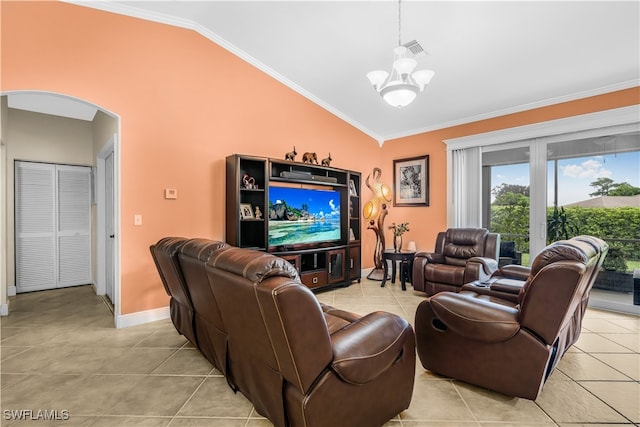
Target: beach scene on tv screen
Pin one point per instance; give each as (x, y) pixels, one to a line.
(302, 215)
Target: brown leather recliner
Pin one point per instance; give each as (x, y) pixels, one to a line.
(302, 363)
(461, 255)
(510, 347)
(508, 280)
(209, 329)
(165, 256)
(193, 311)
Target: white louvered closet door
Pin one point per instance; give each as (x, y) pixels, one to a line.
(53, 226)
(74, 225)
(35, 226)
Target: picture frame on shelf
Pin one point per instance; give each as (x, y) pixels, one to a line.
(352, 188)
(246, 211)
(411, 181)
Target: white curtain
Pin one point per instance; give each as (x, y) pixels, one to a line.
(466, 187)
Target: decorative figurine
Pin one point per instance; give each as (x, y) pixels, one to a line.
(258, 213)
(291, 155)
(327, 161)
(249, 182)
(310, 158)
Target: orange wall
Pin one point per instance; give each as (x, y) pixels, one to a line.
(185, 104)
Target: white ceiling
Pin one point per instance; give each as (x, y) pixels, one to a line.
(490, 58)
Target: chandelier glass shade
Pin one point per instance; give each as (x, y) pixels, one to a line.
(400, 87)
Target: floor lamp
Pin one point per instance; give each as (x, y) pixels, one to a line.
(374, 211)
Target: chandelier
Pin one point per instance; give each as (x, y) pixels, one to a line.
(400, 87)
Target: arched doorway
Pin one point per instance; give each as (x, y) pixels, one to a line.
(60, 129)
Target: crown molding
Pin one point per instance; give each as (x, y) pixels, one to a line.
(520, 108)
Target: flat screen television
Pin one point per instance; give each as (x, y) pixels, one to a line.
(303, 216)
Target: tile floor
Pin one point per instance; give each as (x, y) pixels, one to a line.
(59, 351)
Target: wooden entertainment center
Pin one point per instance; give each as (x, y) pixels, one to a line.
(322, 262)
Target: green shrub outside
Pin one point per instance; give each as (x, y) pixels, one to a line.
(605, 223)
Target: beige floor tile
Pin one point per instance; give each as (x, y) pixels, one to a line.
(406, 423)
(21, 336)
(594, 425)
(226, 403)
(136, 360)
(7, 352)
(488, 406)
(436, 401)
(35, 391)
(60, 360)
(106, 338)
(157, 395)
(596, 343)
(93, 395)
(568, 402)
(622, 396)
(583, 366)
(185, 361)
(210, 422)
(629, 341)
(60, 355)
(628, 364)
(164, 339)
(604, 326)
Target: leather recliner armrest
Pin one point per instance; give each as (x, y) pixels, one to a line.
(475, 318)
(431, 257)
(513, 271)
(369, 346)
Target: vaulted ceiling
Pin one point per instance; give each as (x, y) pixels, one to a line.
(489, 58)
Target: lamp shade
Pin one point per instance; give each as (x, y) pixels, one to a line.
(399, 95)
(422, 78)
(377, 78)
(404, 66)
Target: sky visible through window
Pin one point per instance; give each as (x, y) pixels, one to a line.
(575, 175)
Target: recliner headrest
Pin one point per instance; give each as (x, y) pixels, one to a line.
(466, 236)
(563, 250)
(252, 265)
(201, 249)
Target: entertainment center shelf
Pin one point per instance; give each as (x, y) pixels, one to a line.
(305, 213)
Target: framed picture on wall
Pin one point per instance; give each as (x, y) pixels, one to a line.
(246, 212)
(411, 181)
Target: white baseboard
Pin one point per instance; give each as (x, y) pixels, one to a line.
(11, 291)
(4, 310)
(142, 317)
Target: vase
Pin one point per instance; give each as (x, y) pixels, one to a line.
(397, 243)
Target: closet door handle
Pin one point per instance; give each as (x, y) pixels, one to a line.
(111, 236)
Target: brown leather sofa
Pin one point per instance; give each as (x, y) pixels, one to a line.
(512, 347)
(300, 363)
(461, 255)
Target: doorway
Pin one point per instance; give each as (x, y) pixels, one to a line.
(48, 127)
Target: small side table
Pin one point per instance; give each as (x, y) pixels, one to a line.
(406, 266)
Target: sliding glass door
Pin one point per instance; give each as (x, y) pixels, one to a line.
(506, 199)
(539, 191)
(594, 188)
